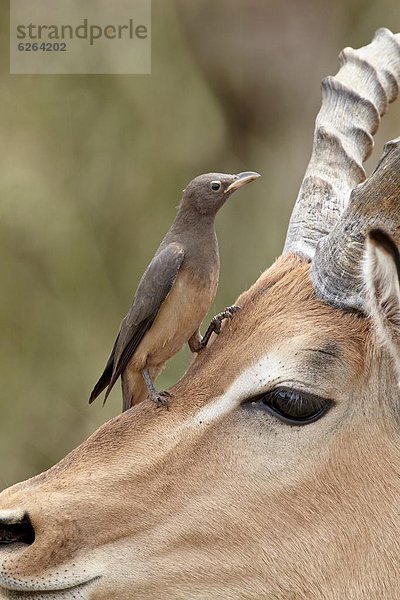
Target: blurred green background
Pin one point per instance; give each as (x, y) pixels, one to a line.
(92, 168)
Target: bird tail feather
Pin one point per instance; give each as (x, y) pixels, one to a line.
(126, 394)
(102, 383)
(105, 377)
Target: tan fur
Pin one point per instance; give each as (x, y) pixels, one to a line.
(215, 499)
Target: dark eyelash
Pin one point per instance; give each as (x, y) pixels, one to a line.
(293, 406)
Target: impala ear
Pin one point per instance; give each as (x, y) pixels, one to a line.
(382, 277)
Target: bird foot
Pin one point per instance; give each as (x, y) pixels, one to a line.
(161, 398)
(216, 322)
(228, 313)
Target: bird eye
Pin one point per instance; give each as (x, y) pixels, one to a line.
(292, 406)
(215, 185)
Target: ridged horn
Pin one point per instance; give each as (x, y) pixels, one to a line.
(352, 103)
(337, 266)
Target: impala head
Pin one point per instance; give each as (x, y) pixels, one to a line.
(275, 473)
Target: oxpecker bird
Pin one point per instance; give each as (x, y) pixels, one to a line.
(173, 295)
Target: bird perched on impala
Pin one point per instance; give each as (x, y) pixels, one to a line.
(173, 295)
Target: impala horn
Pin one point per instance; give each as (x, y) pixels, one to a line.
(352, 103)
(337, 266)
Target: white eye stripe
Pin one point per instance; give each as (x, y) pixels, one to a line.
(250, 382)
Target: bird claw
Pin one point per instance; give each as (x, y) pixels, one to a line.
(216, 322)
(220, 317)
(161, 398)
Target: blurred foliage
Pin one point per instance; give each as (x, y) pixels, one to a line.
(92, 171)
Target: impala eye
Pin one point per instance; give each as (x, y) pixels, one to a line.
(215, 186)
(292, 406)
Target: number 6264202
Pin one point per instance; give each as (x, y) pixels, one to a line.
(43, 47)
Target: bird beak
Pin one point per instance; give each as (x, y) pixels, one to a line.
(241, 180)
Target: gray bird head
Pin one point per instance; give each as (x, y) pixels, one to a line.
(207, 193)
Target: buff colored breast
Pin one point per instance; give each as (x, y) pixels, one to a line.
(179, 317)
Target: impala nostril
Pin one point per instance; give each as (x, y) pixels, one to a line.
(16, 529)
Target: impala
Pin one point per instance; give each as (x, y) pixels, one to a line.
(276, 471)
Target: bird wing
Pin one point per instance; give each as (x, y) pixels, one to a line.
(153, 289)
